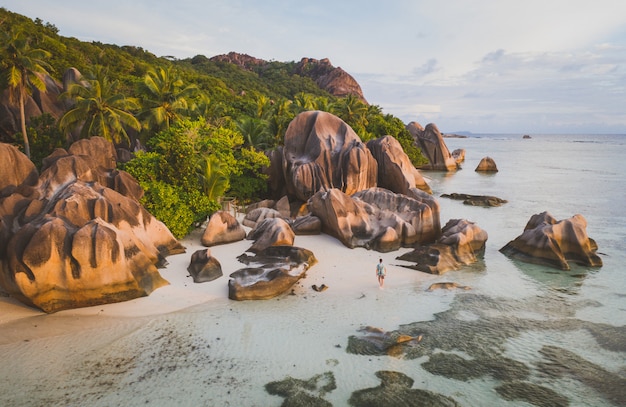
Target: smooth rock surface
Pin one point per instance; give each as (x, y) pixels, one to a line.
(271, 272)
(554, 243)
(395, 170)
(222, 228)
(74, 242)
(461, 243)
(203, 267)
(322, 152)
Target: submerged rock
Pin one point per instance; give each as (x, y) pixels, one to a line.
(447, 286)
(395, 389)
(476, 200)
(549, 242)
(561, 362)
(300, 393)
(375, 341)
(274, 271)
(474, 335)
(534, 394)
(455, 367)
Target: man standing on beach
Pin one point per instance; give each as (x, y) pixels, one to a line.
(380, 272)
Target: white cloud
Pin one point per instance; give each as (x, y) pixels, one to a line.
(480, 65)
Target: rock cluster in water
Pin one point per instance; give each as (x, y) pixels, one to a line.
(554, 243)
(463, 349)
(76, 234)
(461, 243)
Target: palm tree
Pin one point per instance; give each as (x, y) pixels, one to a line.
(165, 99)
(322, 103)
(304, 101)
(263, 106)
(255, 132)
(353, 111)
(24, 65)
(213, 178)
(98, 109)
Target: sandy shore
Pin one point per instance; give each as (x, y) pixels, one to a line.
(347, 272)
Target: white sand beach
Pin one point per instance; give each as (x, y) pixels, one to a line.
(346, 271)
(187, 344)
(297, 329)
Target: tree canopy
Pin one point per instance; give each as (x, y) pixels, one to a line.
(198, 128)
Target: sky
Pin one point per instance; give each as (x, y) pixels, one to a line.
(484, 66)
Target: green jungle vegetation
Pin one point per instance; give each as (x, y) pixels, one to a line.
(204, 126)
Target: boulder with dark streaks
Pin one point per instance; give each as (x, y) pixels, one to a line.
(554, 243)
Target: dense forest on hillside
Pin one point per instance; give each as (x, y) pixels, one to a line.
(199, 128)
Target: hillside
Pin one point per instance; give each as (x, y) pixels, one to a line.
(190, 130)
(223, 77)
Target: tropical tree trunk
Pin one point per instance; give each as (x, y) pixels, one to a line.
(23, 123)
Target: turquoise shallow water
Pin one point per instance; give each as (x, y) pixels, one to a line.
(524, 335)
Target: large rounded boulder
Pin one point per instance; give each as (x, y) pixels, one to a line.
(222, 228)
(430, 141)
(271, 232)
(395, 170)
(270, 272)
(16, 169)
(461, 243)
(75, 242)
(377, 218)
(322, 152)
(554, 243)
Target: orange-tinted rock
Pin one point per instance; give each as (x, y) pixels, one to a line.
(277, 269)
(75, 242)
(334, 80)
(459, 155)
(222, 228)
(554, 243)
(306, 225)
(364, 219)
(271, 232)
(16, 170)
(487, 164)
(258, 215)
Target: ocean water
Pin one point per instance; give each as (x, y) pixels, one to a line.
(524, 335)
